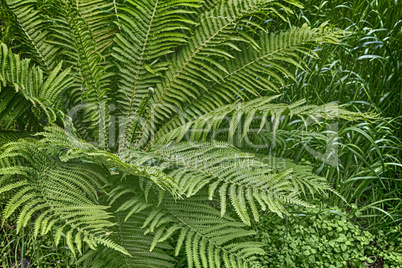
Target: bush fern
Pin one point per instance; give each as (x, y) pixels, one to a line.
(138, 196)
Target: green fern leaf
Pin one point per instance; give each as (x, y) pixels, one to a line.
(65, 193)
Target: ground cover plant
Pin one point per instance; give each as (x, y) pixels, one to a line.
(185, 133)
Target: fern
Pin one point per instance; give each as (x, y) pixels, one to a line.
(261, 108)
(234, 175)
(198, 62)
(100, 16)
(34, 33)
(147, 75)
(147, 34)
(84, 31)
(65, 194)
(23, 88)
(250, 71)
(75, 149)
(131, 236)
(207, 239)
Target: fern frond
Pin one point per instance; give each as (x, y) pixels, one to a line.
(240, 177)
(149, 30)
(89, 93)
(303, 179)
(64, 195)
(199, 62)
(34, 34)
(252, 72)
(100, 16)
(208, 239)
(252, 69)
(25, 88)
(129, 234)
(262, 110)
(71, 148)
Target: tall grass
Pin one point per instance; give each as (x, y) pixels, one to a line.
(365, 74)
(366, 70)
(24, 250)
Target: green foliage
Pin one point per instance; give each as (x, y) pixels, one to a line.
(389, 251)
(64, 193)
(242, 177)
(197, 227)
(265, 111)
(24, 247)
(32, 30)
(147, 34)
(130, 234)
(120, 84)
(364, 73)
(26, 97)
(323, 237)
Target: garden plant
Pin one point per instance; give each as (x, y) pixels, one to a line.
(200, 133)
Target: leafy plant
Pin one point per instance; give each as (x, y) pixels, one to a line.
(324, 237)
(23, 247)
(321, 237)
(107, 91)
(362, 73)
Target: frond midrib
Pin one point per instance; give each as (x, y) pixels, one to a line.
(140, 65)
(126, 260)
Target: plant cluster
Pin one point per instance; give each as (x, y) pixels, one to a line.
(160, 133)
(364, 73)
(324, 237)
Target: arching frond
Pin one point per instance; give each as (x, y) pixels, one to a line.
(259, 112)
(251, 72)
(61, 197)
(71, 148)
(27, 94)
(208, 239)
(149, 30)
(196, 227)
(131, 236)
(34, 32)
(240, 177)
(304, 180)
(199, 62)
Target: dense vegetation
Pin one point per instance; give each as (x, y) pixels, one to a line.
(200, 133)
